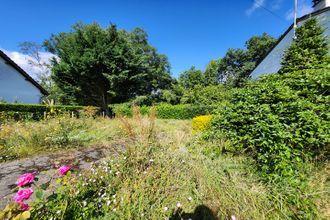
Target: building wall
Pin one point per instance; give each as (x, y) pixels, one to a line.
(15, 88)
(322, 4)
(272, 63)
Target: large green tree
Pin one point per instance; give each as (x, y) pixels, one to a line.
(308, 51)
(189, 78)
(236, 66)
(98, 66)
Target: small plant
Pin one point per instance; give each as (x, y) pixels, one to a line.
(200, 123)
(89, 111)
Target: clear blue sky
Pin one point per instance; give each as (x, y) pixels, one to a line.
(189, 32)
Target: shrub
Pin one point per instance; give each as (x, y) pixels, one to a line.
(89, 111)
(282, 120)
(33, 111)
(164, 111)
(200, 123)
(167, 111)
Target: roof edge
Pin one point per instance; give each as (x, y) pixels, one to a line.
(21, 71)
(287, 31)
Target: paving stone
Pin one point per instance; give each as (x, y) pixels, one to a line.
(45, 166)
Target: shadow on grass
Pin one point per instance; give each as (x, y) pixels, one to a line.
(201, 212)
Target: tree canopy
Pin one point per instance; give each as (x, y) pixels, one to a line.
(308, 51)
(98, 65)
(236, 66)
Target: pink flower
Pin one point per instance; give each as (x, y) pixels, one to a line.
(23, 194)
(24, 206)
(25, 179)
(63, 170)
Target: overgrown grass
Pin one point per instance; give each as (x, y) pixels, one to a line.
(28, 138)
(166, 172)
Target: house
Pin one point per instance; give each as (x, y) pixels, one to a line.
(16, 85)
(272, 61)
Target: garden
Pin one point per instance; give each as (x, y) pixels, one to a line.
(244, 150)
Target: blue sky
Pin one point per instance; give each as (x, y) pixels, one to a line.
(189, 32)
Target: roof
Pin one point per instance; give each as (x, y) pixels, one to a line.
(21, 71)
(288, 30)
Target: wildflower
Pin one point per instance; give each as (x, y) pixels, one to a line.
(58, 212)
(189, 198)
(233, 217)
(114, 209)
(84, 203)
(24, 206)
(117, 173)
(63, 170)
(125, 158)
(165, 208)
(178, 205)
(23, 194)
(151, 160)
(144, 172)
(25, 179)
(94, 180)
(108, 203)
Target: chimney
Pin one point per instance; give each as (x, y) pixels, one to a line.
(320, 4)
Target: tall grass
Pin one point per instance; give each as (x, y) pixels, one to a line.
(27, 138)
(168, 173)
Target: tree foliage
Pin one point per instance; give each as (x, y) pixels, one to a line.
(308, 50)
(236, 66)
(98, 65)
(188, 79)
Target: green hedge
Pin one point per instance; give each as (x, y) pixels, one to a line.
(33, 111)
(165, 111)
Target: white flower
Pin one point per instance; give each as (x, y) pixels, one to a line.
(79, 174)
(189, 198)
(145, 172)
(165, 208)
(114, 201)
(114, 209)
(94, 180)
(114, 196)
(58, 212)
(178, 205)
(233, 217)
(84, 203)
(125, 158)
(108, 203)
(151, 160)
(117, 173)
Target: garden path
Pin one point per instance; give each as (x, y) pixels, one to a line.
(46, 166)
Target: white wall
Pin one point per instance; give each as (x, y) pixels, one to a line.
(272, 63)
(322, 4)
(15, 87)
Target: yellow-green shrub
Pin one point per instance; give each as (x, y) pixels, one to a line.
(200, 123)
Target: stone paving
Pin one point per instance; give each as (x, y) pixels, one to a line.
(46, 166)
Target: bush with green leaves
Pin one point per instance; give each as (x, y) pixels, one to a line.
(281, 120)
(165, 111)
(33, 111)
